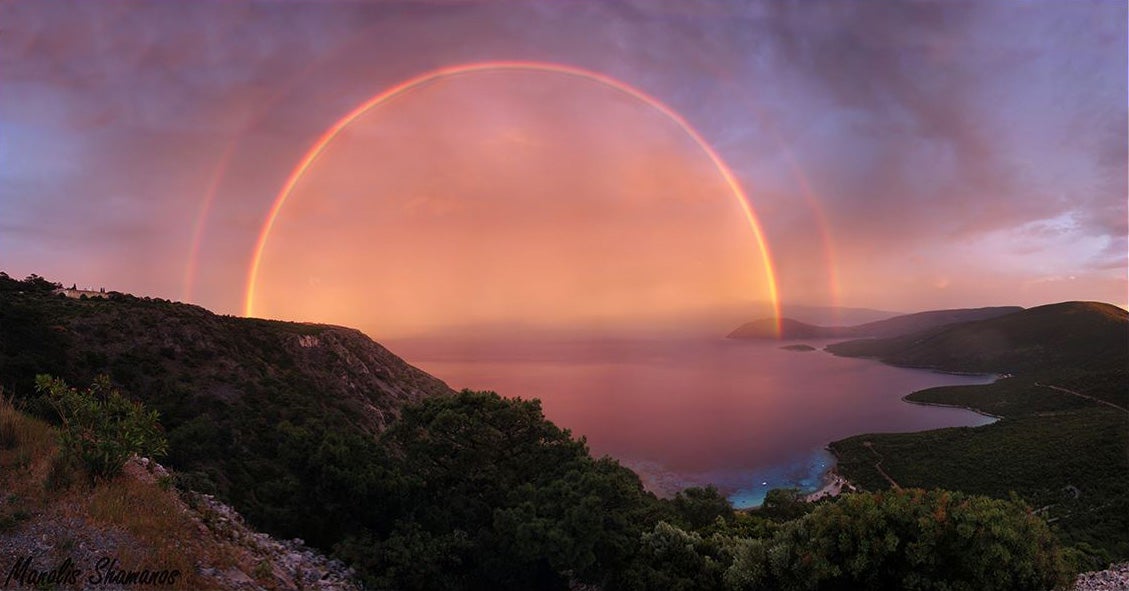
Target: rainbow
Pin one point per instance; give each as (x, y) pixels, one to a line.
(330, 133)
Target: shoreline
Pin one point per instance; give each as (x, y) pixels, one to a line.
(836, 486)
(942, 405)
(838, 483)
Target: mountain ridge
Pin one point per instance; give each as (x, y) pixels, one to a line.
(1078, 335)
(766, 328)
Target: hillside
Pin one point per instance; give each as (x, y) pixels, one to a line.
(1072, 335)
(234, 394)
(1064, 419)
(765, 328)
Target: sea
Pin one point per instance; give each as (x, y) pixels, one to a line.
(744, 416)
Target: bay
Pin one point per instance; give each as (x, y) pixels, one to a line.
(744, 416)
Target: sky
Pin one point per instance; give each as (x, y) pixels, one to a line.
(895, 156)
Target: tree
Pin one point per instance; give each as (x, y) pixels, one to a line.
(698, 507)
(35, 283)
(784, 504)
(484, 493)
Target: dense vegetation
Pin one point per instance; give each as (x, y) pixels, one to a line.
(479, 492)
(1063, 434)
(227, 389)
(470, 490)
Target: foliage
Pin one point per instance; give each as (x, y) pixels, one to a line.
(906, 539)
(483, 492)
(698, 507)
(101, 427)
(32, 284)
(784, 504)
(1070, 462)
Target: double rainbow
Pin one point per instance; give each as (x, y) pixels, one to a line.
(329, 134)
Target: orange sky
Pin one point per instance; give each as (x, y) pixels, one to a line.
(509, 197)
(900, 157)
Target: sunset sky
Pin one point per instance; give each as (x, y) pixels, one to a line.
(897, 156)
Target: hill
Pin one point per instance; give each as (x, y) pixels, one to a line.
(765, 328)
(234, 394)
(1064, 419)
(1072, 335)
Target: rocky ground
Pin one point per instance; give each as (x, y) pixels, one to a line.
(273, 564)
(1115, 578)
(211, 545)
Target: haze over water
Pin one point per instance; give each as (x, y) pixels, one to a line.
(745, 416)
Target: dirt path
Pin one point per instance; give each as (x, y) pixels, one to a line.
(1081, 395)
(878, 465)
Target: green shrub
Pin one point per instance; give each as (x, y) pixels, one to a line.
(101, 428)
(907, 539)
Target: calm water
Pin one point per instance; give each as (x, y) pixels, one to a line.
(745, 416)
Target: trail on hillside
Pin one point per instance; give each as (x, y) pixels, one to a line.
(1081, 395)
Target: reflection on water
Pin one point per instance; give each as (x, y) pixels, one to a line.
(745, 416)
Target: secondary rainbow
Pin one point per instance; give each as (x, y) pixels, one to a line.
(330, 133)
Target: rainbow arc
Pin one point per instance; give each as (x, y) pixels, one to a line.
(326, 138)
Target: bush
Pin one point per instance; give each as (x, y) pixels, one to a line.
(101, 428)
(907, 539)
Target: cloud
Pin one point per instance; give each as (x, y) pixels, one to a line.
(920, 127)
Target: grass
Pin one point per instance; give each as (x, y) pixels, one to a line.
(155, 519)
(29, 447)
(22, 435)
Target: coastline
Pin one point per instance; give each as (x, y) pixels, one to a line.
(836, 483)
(942, 405)
(836, 486)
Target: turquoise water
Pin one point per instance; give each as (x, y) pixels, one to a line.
(744, 416)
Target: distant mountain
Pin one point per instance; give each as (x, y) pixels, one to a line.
(833, 316)
(1087, 336)
(765, 328)
(900, 325)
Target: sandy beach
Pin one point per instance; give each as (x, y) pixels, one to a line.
(832, 488)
